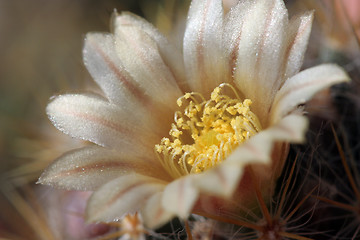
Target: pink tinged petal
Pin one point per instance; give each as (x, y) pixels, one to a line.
(256, 150)
(221, 180)
(121, 196)
(89, 168)
(154, 214)
(180, 196)
(171, 55)
(104, 65)
(141, 58)
(302, 87)
(291, 128)
(259, 49)
(94, 119)
(107, 70)
(224, 179)
(297, 39)
(234, 22)
(203, 54)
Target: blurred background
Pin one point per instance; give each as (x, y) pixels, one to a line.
(41, 55)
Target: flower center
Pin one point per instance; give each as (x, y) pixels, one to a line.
(206, 131)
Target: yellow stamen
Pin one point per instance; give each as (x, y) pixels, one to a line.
(206, 132)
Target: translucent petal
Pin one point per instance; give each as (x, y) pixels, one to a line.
(221, 180)
(153, 212)
(90, 167)
(180, 196)
(120, 196)
(104, 64)
(234, 23)
(141, 58)
(170, 54)
(259, 48)
(258, 152)
(107, 70)
(94, 119)
(296, 42)
(203, 53)
(291, 128)
(258, 148)
(302, 87)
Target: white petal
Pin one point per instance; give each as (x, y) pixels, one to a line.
(90, 167)
(141, 58)
(234, 22)
(203, 55)
(171, 55)
(221, 180)
(180, 196)
(153, 212)
(258, 149)
(92, 118)
(302, 87)
(122, 195)
(259, 50)
(291, 128)
(104, 64)
(107, 70)
(297, 39)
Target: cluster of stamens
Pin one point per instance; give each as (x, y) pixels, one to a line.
(206, 132)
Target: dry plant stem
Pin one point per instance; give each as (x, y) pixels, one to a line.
(345, 206)
(188, 231)
(266, 212)
(299, 205)
(338, 204)
(283, 196)
(259, 196)
(345, 165)
(231, 221)
(356, 232)
(351, 158)
(293, 236)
